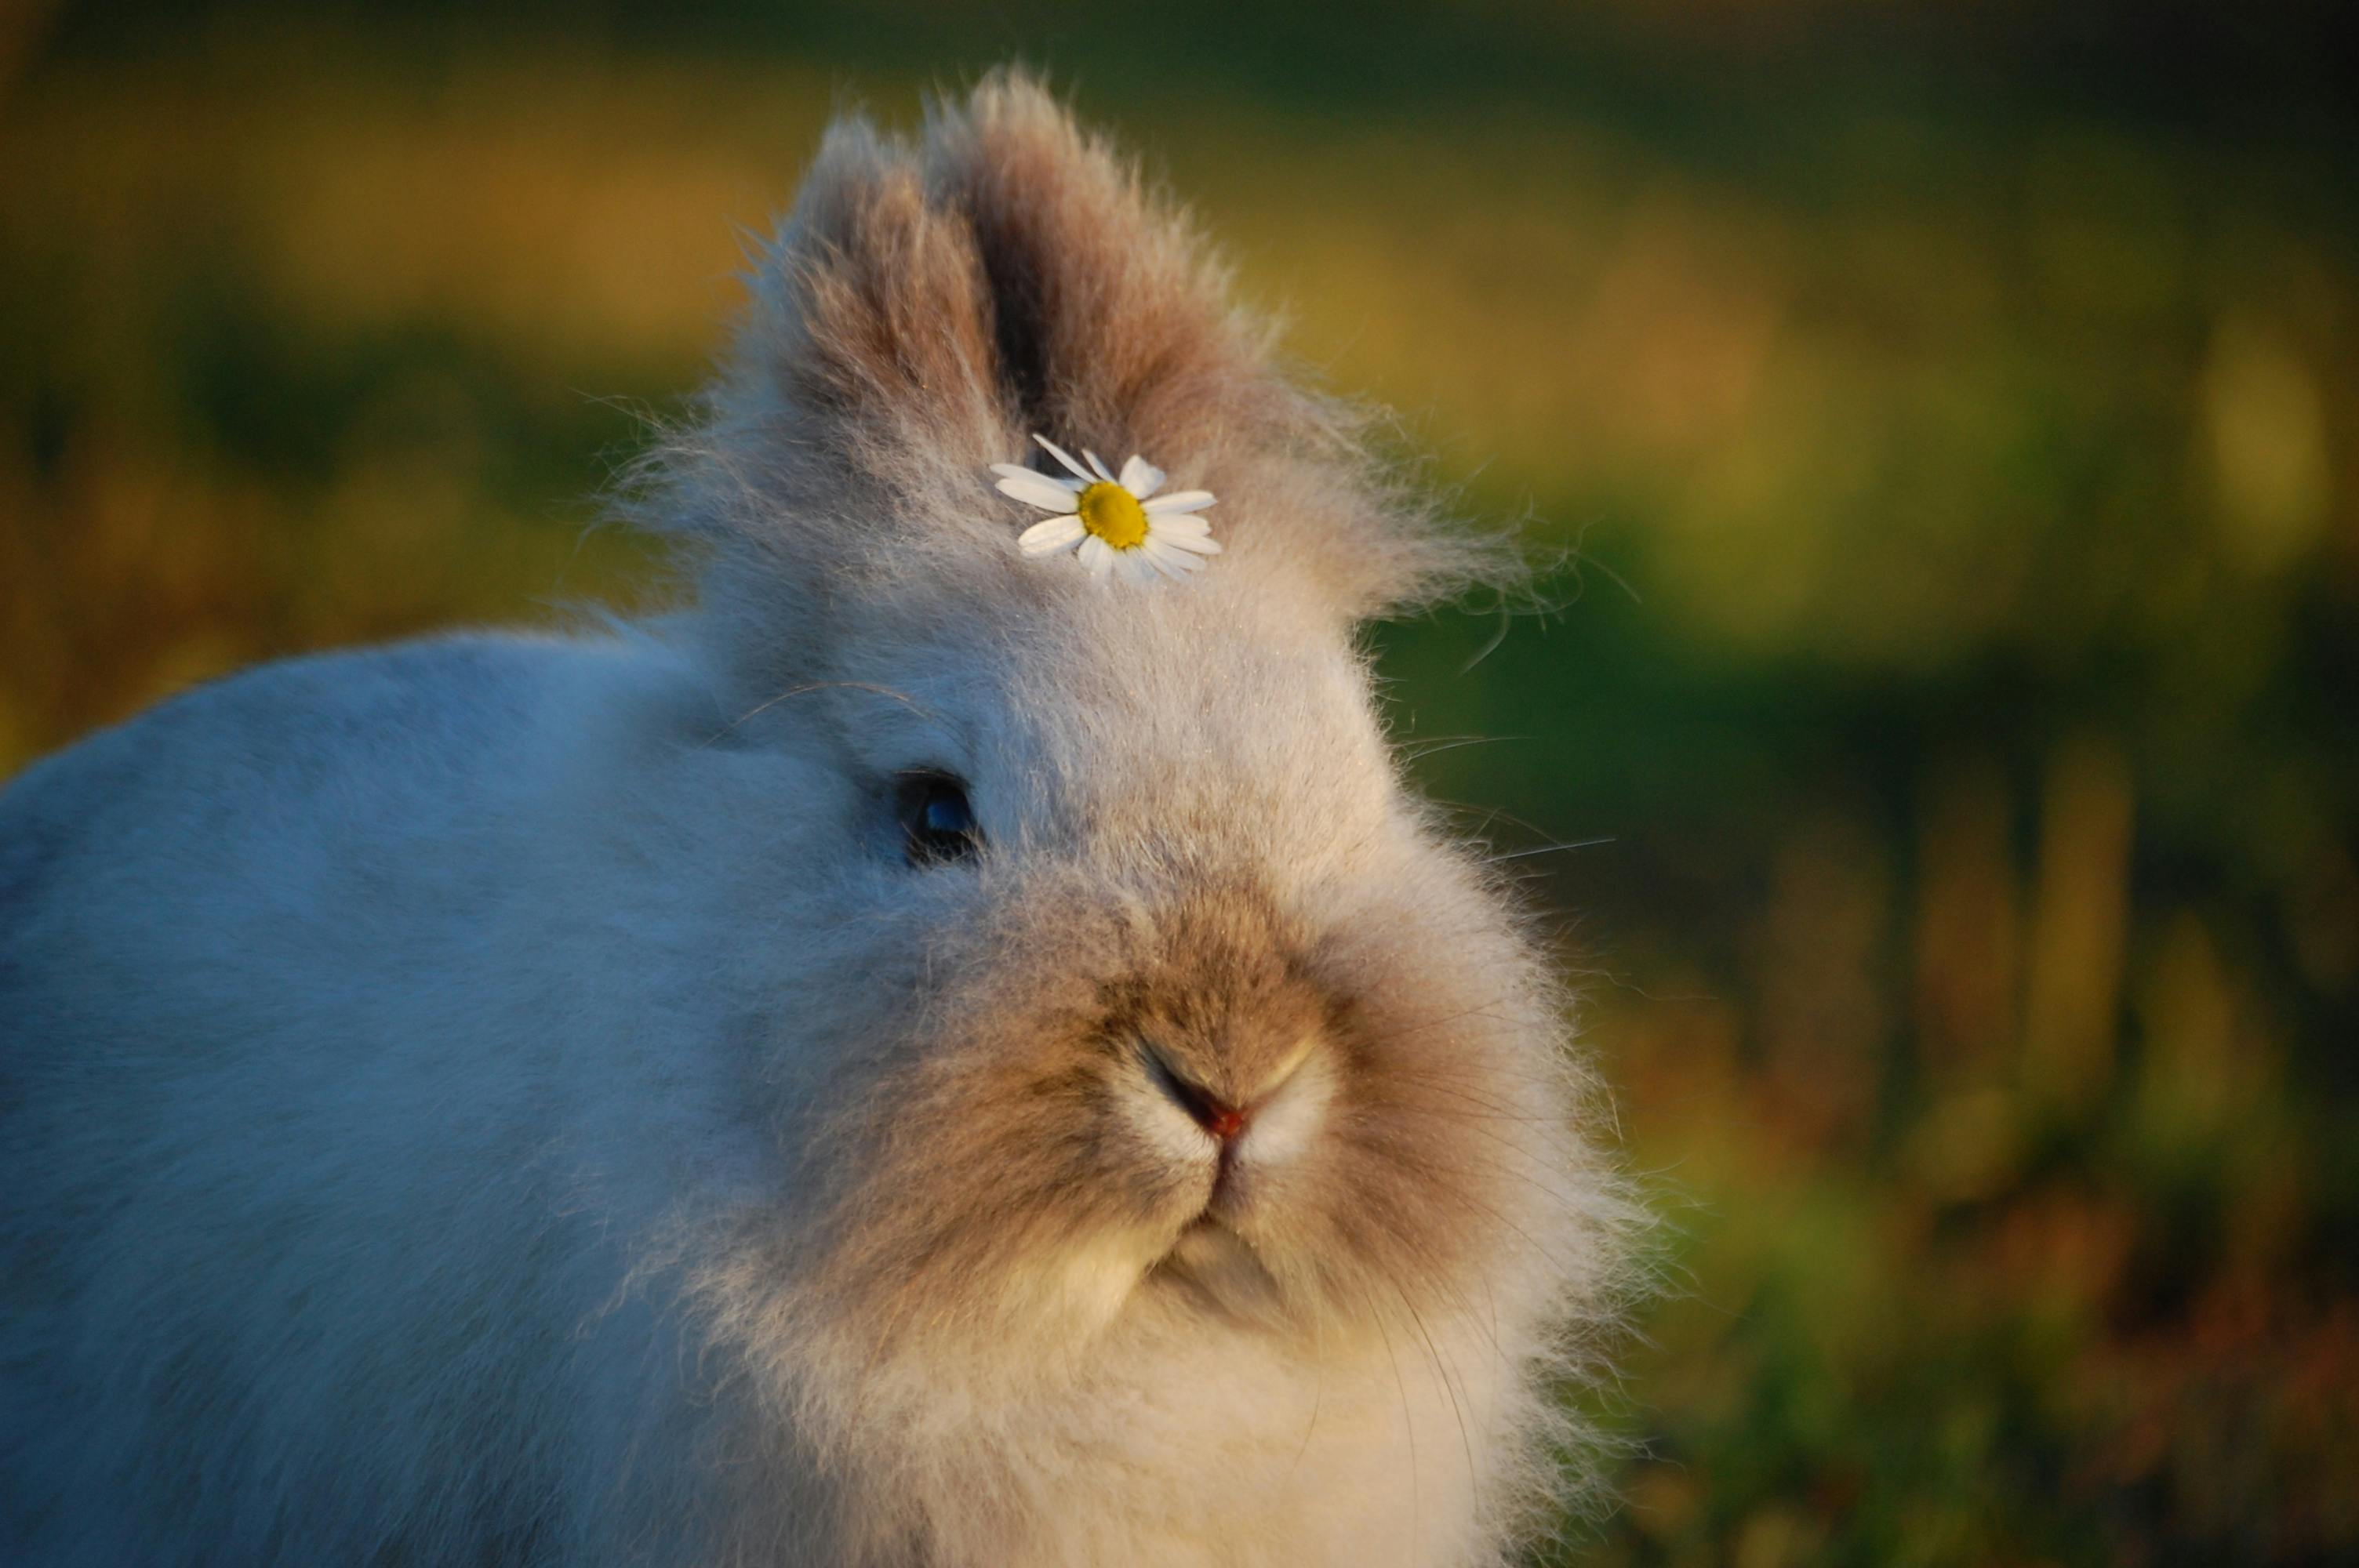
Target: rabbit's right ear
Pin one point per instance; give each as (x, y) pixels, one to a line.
(1110, 312)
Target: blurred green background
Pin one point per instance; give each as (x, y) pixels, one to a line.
(1949, 417)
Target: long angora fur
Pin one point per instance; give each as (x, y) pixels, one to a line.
(516, 1098)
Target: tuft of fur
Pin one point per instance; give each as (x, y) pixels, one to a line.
(511, 1099)
(926, 307)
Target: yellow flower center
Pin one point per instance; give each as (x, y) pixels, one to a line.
(1114, 514)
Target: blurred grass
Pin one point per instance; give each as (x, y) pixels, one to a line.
(1949, 416)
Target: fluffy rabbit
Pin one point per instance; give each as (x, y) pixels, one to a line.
(944, 1052)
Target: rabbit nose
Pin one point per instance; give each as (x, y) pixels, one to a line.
(1214, 1115)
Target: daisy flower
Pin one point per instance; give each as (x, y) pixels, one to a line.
(1123, 527)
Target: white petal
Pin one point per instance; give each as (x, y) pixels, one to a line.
(1066, 457)
(1189, 542)
(1180, 501)
(1038, 490)
(1053, 538)
(1194, 527)
(1173, 564)
(1019, 471)
(1135, 567)
(1091, 458)
(1098, 556)
(1141, 477)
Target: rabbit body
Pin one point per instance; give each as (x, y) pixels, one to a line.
(519, 1099)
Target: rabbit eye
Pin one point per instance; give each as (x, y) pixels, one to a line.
(937, 823)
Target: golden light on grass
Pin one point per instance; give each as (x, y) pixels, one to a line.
(1920, 449)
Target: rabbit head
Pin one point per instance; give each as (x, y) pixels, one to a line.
(1140, 1019)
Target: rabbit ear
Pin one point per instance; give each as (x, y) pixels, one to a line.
(868, 361)
(1110, 313)
(926, 310)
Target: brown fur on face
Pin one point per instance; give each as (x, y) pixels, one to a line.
(968, 1165)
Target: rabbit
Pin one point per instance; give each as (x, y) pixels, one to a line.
(934, 1047)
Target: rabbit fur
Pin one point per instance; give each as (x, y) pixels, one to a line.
(510, 1099)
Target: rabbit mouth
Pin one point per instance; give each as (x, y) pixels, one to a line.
(1221, 1271)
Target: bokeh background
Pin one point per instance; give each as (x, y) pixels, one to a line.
(1947, 419)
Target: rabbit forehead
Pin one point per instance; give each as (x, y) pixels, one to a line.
(1218, 715)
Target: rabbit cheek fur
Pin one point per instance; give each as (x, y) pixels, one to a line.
(742, 1192)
